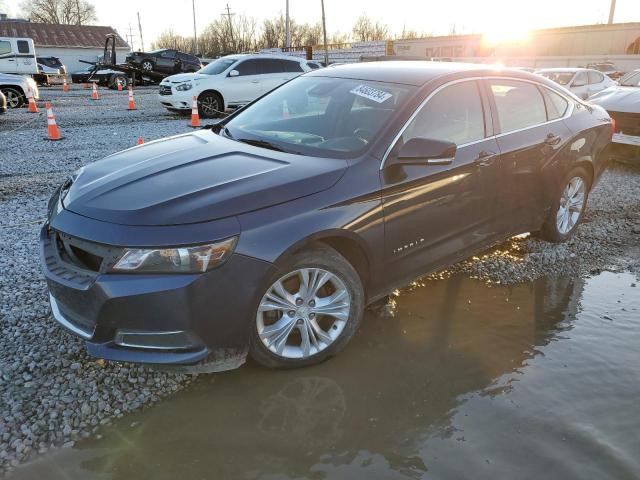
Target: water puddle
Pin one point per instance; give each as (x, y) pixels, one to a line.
(464, 380)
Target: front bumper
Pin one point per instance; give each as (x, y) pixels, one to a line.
(168, 319)
(623, 139)
(177, 100)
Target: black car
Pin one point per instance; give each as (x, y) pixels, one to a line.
(165, 61)
(271, 230)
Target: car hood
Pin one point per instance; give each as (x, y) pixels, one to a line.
(185, 77)
(194, 178)
(618, 99)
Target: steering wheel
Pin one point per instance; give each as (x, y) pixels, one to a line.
(363, 134)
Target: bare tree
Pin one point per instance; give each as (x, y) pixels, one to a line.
(170, 39)
(69, 12)
(365, 30)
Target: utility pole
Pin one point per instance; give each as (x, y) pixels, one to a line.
(612, 11)
(229, 15)
(287, 32)
(130, 36)
(140, 30)
(195, 36)
(324, 35)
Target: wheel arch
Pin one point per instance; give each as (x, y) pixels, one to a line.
(217, 92)
(15, 87)
(586, 162)
(347, 243)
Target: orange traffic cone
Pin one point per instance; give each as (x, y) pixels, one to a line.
(33, 108)
(140, 141)
(195, 117)
(65, 85)
(94, 92)
(132, 104)
(53, 130)
(119, 85)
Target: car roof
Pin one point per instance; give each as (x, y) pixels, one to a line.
(238, 56)
(414, 72)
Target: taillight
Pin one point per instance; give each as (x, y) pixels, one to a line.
(613, 126)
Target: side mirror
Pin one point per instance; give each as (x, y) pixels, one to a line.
(425, 151)
(234, 73)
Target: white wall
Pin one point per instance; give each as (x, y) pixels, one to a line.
(71, 57)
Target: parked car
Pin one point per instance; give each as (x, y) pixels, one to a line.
(15, 88)
(18, 56)
(272, 230)
(53, 62)
(3, 103)
(229, 82)
(583, 82)
(164, 61)
(608, 68)
(107, 78)
(622, 102)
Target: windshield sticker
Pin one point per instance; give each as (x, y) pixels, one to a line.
(374, 94)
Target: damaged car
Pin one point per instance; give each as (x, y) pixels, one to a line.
(268, 232)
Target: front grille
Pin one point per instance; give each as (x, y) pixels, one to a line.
(627, 123)
(165, 90)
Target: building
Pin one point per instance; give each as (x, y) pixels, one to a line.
(70, 43)
(551, 47)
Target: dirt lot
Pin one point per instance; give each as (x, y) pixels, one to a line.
(51, 393)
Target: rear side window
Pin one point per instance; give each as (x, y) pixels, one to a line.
(519, 104)
(313, 65)
(268, 65)
(556, 104)
(248, 67)
(453, 114)
(580, 80)
(5, 47)
(23, 46)
(595, 77)
(290, 66)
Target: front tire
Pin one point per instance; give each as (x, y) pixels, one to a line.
(210, 105)
(15, 98)
(568, 208)
(309, 310)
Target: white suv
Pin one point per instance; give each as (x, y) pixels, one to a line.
(229, 82)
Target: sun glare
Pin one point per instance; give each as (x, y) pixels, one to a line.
(500, 34)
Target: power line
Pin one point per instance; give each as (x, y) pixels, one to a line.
(229, 15)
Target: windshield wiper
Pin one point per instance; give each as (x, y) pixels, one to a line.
(261, 143)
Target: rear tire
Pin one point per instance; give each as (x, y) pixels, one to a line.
(301, 316)
(568, 208)
(147, 65)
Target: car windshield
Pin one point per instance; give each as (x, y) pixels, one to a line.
(562, 78)
(319, 116)
(218, 66)
(631, 80)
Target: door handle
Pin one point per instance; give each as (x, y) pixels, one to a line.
(552, 139)
(485, 158)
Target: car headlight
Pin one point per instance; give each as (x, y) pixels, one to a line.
(196, 259)
(184, 87)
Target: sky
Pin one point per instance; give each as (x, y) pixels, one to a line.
(501, 18)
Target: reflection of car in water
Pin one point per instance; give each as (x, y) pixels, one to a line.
(411, 373)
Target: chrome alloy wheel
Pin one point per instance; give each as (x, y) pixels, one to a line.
(209, 106)
(13, 98)
(571, 205)
(303, 313)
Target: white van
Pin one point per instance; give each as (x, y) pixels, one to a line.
(18, 55)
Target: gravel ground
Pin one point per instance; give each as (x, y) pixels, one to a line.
(52, 393)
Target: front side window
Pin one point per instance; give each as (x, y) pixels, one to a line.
(595, 77)
(519, 104)
(23, 46)
(5, 47)
(581, 79)
(168, 54)
(453, 114)
(632, 80)
(248, 67)
(320, 116)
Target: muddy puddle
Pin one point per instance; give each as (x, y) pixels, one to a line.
(465, 380)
